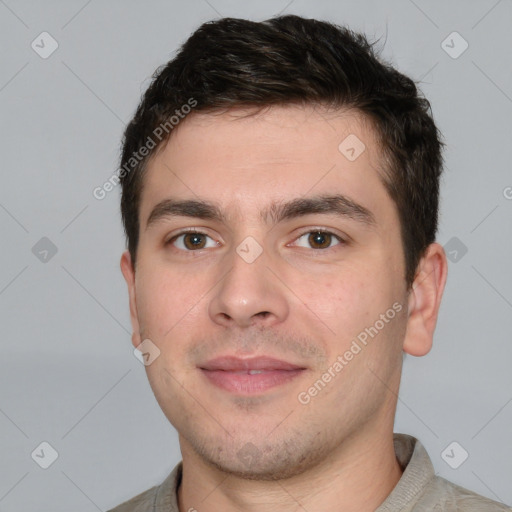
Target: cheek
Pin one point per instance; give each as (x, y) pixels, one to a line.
(351, 301)
(351, 293)
(165, 300)
(341, 299)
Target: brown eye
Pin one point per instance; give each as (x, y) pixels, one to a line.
(192, 241)
(319, 239)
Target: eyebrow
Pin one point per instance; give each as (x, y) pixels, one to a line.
(338, 204)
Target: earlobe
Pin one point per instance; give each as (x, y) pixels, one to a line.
(425, 300)
(129, 275)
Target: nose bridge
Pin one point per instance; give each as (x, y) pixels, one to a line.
(248, 293)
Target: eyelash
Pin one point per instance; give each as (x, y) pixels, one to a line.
(194, 231)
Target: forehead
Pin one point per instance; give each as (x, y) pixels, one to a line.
(242, 160)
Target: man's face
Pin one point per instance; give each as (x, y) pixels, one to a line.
(304, 299)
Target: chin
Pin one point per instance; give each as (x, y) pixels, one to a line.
(261, 462)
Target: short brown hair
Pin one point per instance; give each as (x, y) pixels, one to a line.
(229, 63)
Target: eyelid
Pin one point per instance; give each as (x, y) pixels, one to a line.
(343, 239)
(319, 229)
(200, 231)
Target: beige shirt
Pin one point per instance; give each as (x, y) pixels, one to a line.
(418, 490)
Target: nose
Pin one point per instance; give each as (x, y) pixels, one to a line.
(249, 295)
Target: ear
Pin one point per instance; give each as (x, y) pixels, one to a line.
(424, 301)
(129, 275)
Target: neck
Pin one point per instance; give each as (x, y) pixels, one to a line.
(358, 476)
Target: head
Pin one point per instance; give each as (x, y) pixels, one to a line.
(306, 172)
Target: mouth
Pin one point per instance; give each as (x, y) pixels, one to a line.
(249, 376)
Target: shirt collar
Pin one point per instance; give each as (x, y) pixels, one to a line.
(418, 471)
(411, 456)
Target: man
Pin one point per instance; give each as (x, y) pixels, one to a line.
(280, 197)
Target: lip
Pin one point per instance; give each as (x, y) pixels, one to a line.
(234, 374)
(232, 363)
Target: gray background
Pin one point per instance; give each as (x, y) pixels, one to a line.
(68, 375)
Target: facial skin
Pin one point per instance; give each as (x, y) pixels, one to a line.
(295, 302)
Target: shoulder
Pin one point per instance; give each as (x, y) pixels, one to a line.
(159, 497)
(143, 502)
(444, 496)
